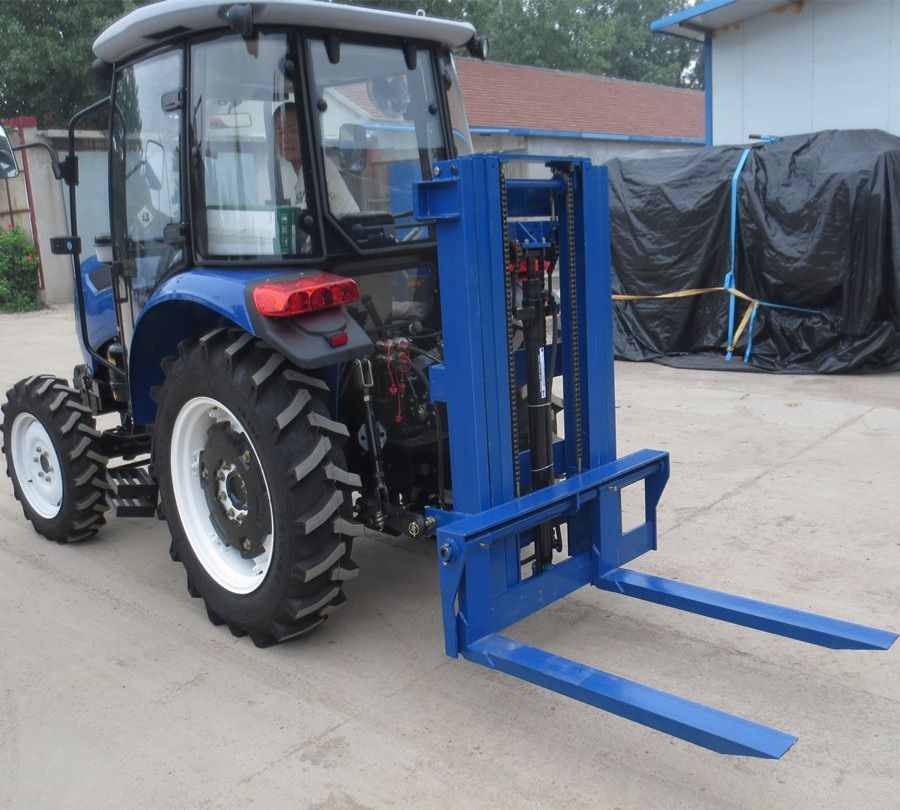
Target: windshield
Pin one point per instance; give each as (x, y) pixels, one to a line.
(380, 131)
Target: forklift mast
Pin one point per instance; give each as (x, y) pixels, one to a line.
(493, 569)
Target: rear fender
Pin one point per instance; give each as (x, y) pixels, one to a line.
(192, 303)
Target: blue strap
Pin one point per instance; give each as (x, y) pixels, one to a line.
(792, 309)
(750, 335)
(730, 275)
(769, 304)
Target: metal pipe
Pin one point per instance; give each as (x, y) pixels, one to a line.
(366, 381)
(76, 260)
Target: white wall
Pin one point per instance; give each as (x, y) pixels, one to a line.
(51, 204)
(822, 64)
(92, 198)
(599, 151)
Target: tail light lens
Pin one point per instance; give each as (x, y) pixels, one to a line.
(300, 296)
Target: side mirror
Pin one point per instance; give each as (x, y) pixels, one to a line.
(352, 147)
(8, 166)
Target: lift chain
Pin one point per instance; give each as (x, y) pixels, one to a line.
(573, 317)
(509, 291)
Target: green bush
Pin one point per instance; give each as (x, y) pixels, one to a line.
(18, 271)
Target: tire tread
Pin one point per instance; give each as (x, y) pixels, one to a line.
(307, 445)
(69, 422)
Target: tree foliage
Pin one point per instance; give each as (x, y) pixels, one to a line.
(608, 37)
(46, 44)
(46, 64)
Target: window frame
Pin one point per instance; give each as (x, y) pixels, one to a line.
(356, 38)
(117, 199)
(198, 191)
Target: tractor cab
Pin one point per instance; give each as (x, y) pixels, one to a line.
(275, 136)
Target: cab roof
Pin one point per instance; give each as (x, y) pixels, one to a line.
(158, 22)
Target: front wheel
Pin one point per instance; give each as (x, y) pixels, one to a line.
(254, 486)
(53, 456)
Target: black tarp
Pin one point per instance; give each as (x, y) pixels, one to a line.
(818, 227)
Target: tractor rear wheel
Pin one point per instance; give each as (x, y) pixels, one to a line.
(53, 456)
(254, 486)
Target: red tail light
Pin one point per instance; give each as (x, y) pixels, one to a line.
(299, 296)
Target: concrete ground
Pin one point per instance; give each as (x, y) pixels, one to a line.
(116, 691)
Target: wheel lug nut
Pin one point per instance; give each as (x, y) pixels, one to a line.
(231, 513)
(245, 456)
(221, 476)
(246, 544)
(222, 496)
(204, 474)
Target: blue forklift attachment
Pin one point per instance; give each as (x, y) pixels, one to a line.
(497, 513)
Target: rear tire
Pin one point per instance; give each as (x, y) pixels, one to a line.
(53, 457)
(254, 486)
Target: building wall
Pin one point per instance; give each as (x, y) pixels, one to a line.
(599, 151)
(15, 208)
(822, 64)
(35, 201)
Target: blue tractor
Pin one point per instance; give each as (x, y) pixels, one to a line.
(319, 318)
(262, 165)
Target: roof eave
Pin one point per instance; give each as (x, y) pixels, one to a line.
(699, 21)
(675, 23)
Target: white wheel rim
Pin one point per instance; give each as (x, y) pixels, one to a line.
(222, 562)
(36, 465)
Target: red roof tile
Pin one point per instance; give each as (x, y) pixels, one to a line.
(517, 96)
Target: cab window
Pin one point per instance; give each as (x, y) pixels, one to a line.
(252, 182)
(145, 168)
(380, 131)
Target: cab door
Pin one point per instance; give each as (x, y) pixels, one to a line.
(145, 181)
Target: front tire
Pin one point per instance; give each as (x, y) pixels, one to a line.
(254, 486)
(53, 456)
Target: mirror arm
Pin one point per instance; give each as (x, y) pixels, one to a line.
(58, 171)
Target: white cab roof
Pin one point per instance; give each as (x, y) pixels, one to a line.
(153, 24)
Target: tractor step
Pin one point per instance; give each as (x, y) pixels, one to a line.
(133, 492)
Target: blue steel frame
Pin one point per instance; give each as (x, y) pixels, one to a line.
(480, 543)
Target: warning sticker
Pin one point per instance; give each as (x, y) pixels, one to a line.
(145, 216)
